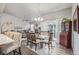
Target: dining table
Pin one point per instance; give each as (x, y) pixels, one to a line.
(44, 37)
(4, 40)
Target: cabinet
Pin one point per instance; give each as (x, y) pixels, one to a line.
(65, 35)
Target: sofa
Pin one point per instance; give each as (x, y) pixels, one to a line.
(12, 46)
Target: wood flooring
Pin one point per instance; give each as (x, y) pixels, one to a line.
(57, 49)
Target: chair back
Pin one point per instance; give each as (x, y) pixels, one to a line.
(28, 35)
(33, 38)
(17, 38)
(50, 37)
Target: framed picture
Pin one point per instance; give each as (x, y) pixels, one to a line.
(76, 20)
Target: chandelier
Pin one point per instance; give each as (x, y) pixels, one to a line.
(38, 19)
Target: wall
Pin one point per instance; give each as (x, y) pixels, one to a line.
(75, 35)
(15, 22)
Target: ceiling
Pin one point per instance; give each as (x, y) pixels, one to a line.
(31, 10)
(45, 8)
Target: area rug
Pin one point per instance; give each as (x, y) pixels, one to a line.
(24, 51)
(27, 51)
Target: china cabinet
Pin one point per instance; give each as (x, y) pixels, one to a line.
(65, 35)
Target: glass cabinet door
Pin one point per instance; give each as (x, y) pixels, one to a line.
(67, 26)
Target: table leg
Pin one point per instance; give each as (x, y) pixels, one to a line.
(41, 44)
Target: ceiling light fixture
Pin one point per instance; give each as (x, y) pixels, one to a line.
(38, 19)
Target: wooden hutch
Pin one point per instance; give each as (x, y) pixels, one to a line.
(66, 33)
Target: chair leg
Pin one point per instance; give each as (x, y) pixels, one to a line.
(35, 47)
(41, 45)
(31, 44)
(51, 44)
(27, 42)
(20, 50)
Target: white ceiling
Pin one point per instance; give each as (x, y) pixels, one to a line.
(44, 8)
(31, 10)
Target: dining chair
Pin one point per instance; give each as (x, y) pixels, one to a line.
(48, 41)
(6, 49)
(35, 41)
(28, 38)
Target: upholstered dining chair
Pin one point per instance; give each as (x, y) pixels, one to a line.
(35, 41)
(48, 40)
(6, 49)
(28, 38)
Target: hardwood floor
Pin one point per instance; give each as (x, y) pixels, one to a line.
(60, 50)
(55, 50)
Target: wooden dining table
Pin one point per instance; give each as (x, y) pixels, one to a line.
(45, 37)
(41, 36)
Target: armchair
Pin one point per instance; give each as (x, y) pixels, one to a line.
(12, 46)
